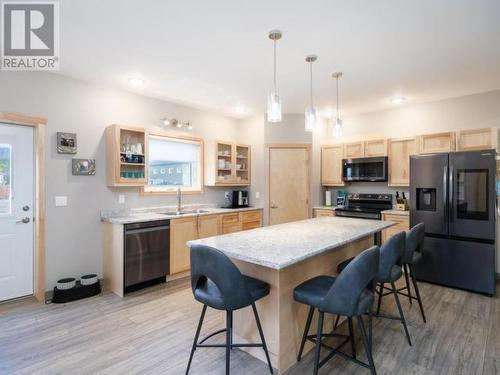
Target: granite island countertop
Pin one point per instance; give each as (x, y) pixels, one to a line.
(140, 215)
(282, 245)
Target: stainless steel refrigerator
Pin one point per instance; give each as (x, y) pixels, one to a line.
(454, 195)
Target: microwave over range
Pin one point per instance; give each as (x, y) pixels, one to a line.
(365, 169)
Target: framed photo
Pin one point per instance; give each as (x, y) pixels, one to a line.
(66, 143)
(83, 167)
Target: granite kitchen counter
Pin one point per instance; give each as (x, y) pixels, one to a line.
(280, 246)
(396, 212)
(159, 213)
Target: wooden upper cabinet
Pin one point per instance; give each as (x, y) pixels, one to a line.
(375, 147)
(230, 165)
(399, 151)
(477, 139)
(126, 156)
(331, 165)
(354, 150)
(437, 142)
(181, 231)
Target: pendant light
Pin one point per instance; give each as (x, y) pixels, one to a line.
(310, 113)
(337, 122)
(274, 100)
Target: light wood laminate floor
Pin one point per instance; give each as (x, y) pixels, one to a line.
(151, 331)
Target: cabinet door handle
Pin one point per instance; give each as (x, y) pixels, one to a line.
(274, 206)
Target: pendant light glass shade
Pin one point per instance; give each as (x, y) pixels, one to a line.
(274, 107)
(310, 119)
(274, 100)
(310, 112)
(337, 127)
(337, 122)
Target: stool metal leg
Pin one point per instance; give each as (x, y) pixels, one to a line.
(351, 335)
(318, 342)
(261, 333)
(403, 321)
(229, 333)
(336, 322)
(306, 331)
(370, 329)
(417, 292)
(381, 294)
(406, 272)
(196, 336)
(366, 344)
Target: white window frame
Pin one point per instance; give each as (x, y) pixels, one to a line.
(156, 190)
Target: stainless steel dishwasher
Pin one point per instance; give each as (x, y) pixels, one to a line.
(147, 254)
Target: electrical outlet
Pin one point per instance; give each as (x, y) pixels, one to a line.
(61, 201)
(257, 195)
(121, 199)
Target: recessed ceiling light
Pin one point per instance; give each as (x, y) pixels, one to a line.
(136, 81)
(398, 100)
(240, 110)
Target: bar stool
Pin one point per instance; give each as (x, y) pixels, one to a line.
(413, 253)
(390, 271)
(217, 282)
(344, 295)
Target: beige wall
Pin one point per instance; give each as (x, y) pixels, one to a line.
(74, 233)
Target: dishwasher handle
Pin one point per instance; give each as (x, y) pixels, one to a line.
(145, 230)
(147, 224)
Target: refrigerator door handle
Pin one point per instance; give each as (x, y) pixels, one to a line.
(445, 191)
(450, 195)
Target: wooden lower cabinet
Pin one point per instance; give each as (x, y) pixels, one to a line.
(181, 231)
(402, 224)
(320, 212)
(208, 226)
(187, 229)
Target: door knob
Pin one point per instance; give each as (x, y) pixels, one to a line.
(26, 208)
(24, 220)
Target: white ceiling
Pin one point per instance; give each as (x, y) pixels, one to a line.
(216, 55)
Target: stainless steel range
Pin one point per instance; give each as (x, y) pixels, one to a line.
(365, 206)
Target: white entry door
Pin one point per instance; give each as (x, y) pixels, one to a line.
(17, 183)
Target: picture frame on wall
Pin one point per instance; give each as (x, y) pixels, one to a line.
(83, 167)
(66, 143)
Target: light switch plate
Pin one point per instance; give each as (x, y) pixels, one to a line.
(257, 195)
(61, 201)
(121, 199)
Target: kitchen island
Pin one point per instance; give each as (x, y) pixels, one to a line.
(284, 256)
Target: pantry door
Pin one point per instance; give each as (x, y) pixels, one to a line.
(289, 182)
(17, 192)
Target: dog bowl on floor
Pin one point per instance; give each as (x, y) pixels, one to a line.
(66, 283)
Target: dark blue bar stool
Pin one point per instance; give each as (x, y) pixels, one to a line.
(344, 295)
(413, 253)
(217, 282)
(390, 271)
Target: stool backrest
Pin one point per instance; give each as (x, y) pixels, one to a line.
(414, 242)
(343, 296)
(391, 254)
(212, 264)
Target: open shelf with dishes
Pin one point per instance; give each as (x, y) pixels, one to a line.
(126, 156)
(231, 165)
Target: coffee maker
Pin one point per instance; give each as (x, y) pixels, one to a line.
(239, 198)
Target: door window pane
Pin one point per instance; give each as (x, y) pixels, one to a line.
(5, 179)
(472, 194)
(174, 163)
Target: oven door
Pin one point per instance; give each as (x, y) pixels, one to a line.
(365, 169)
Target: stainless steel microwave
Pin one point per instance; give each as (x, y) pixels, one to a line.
(365, 169)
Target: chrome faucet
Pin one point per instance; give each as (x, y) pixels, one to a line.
(179, 198)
